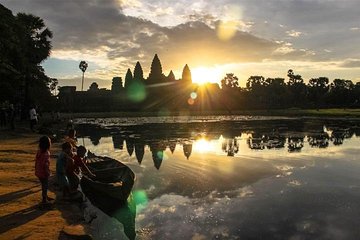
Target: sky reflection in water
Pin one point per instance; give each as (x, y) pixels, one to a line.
(284, 179)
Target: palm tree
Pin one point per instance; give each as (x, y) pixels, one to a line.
(83, 66)
(35, 47)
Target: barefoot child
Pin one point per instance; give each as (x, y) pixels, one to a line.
(42, 166)
(64, 159)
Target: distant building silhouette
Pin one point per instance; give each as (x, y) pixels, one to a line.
(138, 72)
(187, 148)
(128, 78)
(157, 153)
(172, 146)
(118, 142)
(156, 74)
(129, 145)
(116, 85)
(186, 75)
(171, 77)
(139, 151)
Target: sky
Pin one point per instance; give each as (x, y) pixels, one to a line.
(246, 37)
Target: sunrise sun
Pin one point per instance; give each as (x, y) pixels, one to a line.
(202, 75)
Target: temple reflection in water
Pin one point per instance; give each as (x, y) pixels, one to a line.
(221, 137)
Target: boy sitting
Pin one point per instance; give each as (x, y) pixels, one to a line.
(76, 166)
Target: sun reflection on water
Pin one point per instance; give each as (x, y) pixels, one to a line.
(203, 145)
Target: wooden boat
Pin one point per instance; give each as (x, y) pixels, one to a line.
(111, 187)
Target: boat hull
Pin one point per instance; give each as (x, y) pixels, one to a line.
(111, 187)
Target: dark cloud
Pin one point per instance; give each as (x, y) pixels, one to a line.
(90, 25)
(324, 24)
(85, 25)
(79, 25)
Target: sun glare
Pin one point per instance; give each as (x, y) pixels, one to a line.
(202, 75)
(202, 145)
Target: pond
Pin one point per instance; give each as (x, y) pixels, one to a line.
(229, 177)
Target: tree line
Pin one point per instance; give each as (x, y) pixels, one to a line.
(262, 93)
(25, 42)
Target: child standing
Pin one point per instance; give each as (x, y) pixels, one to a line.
(64, 159)
(42, 166)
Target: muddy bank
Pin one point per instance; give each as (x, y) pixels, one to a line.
(20, 192)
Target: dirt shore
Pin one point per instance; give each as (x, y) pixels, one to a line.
(20, 191)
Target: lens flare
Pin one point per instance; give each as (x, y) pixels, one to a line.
(191, 101)
(136, 92)
(160, 154)
(230, 22)
(193, 95)
(140, 197)
(226, 30)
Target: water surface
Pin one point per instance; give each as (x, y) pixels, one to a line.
(236, 177)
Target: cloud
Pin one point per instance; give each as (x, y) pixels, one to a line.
(351, 63)
(130, 3)
(102, 33)
(283, 208)
(294, 33)
(115, 34)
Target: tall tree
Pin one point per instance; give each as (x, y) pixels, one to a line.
(276, 92)
(318, 87)
(256, 95)
(230, 81)
(294, 78)
(341, 92)
(128, 78)
(255, 82)
(138, 72)
(116, 85)
(297, 89)
(24, 44)
(156, 74)
(186, 75)
(356, 95)
(36, 46)
(10, 55)
(83, 66)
